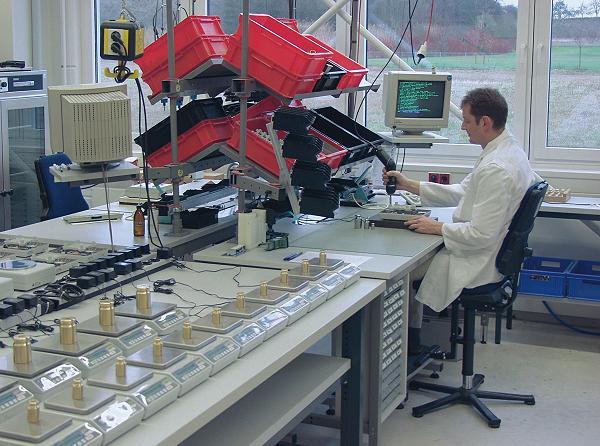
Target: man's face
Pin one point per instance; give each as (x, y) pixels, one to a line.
(474, 129)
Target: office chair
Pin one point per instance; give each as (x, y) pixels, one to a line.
(58, 199)
(492, 298)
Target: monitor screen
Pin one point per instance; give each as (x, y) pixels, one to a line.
(420, 99)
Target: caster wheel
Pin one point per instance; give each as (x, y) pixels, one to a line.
(434, 375)
(400, 406)
(330, 412)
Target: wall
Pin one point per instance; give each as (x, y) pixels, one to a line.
(15, 30)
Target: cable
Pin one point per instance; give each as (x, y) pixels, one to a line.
(412, 48)
(566, 324)
(112, 243)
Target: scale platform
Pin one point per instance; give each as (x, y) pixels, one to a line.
(40, 362)
(205, 323)
(119, 417)
(51, 344)
(293, 284)
(315, 295)
(145, 357)
(51, 381)
(190, 372)
(198, 340)
(250, 310)
(129, 309)
(157, 393)
(93, 399)
(331, 263)
(273, 296)
(18, 428)
(122, 325)
(108, 378)
(314, 273)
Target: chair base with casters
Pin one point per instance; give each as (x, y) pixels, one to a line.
(469, 393)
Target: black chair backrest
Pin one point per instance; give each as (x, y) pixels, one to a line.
(513, 249)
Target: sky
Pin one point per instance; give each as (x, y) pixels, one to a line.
(569, 3)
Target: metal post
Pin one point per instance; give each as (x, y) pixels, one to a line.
(351, 416)
(355, 13)
(244, 99)
(176, 227)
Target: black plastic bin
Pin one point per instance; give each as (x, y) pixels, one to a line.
(319, 202)
(357, 139)
(332, 75)
(302, 147)
(293, 119)
(187, 117)
(200, 217)
(310, 174)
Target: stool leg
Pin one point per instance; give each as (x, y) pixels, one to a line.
(527, 399)
(493, 420)
(509, 317)
(485, 319)
(498, 332)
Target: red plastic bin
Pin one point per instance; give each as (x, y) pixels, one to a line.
(197, 39)
(354, 71)
(292, 23)
(193, 142)
(279, 58)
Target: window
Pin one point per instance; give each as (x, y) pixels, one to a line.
(475, 44)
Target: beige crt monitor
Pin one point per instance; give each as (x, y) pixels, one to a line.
(416, 101)
(91, 123)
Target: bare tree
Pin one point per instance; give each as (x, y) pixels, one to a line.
(595, 6)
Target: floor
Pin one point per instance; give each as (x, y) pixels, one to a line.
(560, 367)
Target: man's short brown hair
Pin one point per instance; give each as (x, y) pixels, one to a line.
(487, 102)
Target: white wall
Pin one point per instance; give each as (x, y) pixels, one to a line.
(15, 30)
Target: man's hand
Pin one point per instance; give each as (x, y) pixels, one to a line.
(401, 180)
(424, 225)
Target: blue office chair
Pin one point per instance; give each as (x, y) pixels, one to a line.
(58, 199)
(491, 298)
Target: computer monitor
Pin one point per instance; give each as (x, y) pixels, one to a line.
(416, 101)
(90, 123)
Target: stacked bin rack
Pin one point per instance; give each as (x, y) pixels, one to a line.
(209, 60)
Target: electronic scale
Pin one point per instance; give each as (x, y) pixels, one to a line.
(189, 372)
(216, 323)
(168, 322)
(24, 247)
(156, 356)
(40, 373)
(27, 274)
(188, 339)
(12, 396)
(265, 295)
(248, 337)
(272, 322)
(403, 213)
(295, 308)
(158, 392)
(286, 283)
(350, 273)
(79, 251)
(6, 287)
(121, 377)
(82, 400)
(44, 428)
(221, 353)
(306, 271)
(143, 307)
(315, 295)
(68, 342)
(242, 309)
(117, 418)
(97, 358)
(333, 282)
(325, 262)
(61, 263)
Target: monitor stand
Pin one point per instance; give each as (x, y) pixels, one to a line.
(412, 140)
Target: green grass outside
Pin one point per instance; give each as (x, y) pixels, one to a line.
(563, 58)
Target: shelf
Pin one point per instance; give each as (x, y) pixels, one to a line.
(284, 400)
(77, 176)
(215, 75)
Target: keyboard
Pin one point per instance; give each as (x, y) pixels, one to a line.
(411, 199)
(403, 213)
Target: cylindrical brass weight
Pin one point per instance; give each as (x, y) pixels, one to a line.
(21, 349)
(107, 313)
(68, 331)
(33, 412)
(143, 298)
(77, 389)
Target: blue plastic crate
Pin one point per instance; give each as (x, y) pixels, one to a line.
(545, 276)
(584, 280)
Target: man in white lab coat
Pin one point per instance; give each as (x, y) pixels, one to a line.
(485, 201)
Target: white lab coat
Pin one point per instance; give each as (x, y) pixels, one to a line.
(485, 201)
